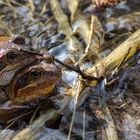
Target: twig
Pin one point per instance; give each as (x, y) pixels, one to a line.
(84, 76)
(14, 119)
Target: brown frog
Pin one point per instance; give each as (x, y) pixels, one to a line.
(34, 81)
(12, 57)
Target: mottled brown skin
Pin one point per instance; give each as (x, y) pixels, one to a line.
(24, 75)
(33, 82)
(12, 57)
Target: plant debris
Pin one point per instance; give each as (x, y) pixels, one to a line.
(96, 45)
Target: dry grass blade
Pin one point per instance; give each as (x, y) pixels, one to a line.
(111, 132)
(72, 7)
(76, 93)
(84, 117)
(64, 26)
(22, 115)
(60, 17)
(31, 5)
(34, 114)
(93, 36)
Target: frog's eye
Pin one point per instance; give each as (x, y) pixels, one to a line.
(12, 56)
(34, 73)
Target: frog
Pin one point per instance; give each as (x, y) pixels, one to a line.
(13, 55)
(33, 81)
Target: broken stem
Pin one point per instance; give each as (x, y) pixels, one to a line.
(78, 70)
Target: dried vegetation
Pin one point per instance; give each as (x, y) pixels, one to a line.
(93, 40)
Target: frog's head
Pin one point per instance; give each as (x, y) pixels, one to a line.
(13, 57)
(35, 81)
